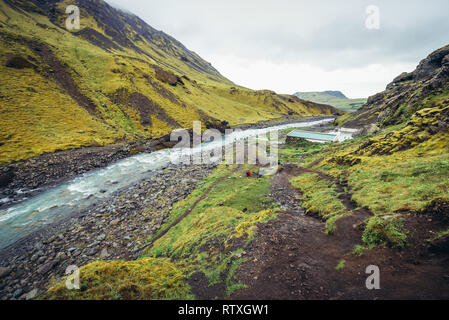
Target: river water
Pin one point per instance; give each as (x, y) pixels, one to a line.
(79, 193)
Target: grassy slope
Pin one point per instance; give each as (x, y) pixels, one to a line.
(341, 103)
(319, 197)
(401, 170)
(211, 239)
(150, 279)
(38, 114)
(397, 108)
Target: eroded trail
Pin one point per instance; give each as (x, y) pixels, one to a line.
(292, 258)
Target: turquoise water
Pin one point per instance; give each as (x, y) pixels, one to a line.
(79, 193)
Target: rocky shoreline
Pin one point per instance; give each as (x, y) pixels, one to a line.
(115, 229)
(277, 122)
(29, 177)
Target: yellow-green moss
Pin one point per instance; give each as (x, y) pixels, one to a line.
(39, 116)
(388, 231)
(211, 239)
(231, 209)
(220, 226)
(145, 279)
(320, 197)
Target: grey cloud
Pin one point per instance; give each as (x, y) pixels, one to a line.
(319, 33)
(329, 34)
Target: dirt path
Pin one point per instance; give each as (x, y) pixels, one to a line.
(347, 227)
(283, 192)
(292, 258)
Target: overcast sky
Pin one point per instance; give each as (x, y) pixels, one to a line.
(295, 45)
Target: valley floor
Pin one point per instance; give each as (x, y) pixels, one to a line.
(308, 232)
(26, 178)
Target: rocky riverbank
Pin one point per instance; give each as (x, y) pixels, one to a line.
(281, 121)
(27, 178)
(115, 229)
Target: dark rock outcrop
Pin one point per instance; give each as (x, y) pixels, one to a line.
(167, 77)
(408, 93)
(18, 62)
(6, 177)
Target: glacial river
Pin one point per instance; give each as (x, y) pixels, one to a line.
(77, 194)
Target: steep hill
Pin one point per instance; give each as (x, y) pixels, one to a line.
(115, 78)
(426, 87)
(333, 98)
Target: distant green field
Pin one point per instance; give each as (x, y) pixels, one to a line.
(333, 98)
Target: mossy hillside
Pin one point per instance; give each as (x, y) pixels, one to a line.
(400, 182)
(426, 87)
(130, 101)
(211, 239)
(340, 121)
(398, 171)
(326, 98)
(219, 227)
(268, 104)
(417, 99)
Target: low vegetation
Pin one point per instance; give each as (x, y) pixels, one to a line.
(379, 230)
(144, 279)
(320, 198)
(400, 170)
(210, 240)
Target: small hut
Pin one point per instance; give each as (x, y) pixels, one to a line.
(312, 136)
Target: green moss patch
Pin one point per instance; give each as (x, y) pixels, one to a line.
(320, 197)
(145, 279)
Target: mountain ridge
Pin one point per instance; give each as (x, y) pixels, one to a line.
(334, 98)
(116, 78)
(426, 87)
(337, 94)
